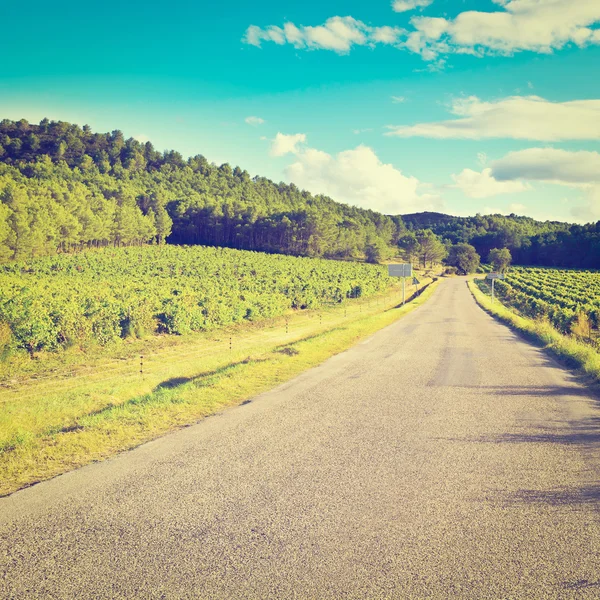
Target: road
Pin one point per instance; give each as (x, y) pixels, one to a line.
(441, 458)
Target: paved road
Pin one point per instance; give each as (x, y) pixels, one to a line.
(441, 458)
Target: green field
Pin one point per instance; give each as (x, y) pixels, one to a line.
(72, 389)
(104, 296)
(560, 296)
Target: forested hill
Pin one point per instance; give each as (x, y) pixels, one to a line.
(63, 187)
(531, 242)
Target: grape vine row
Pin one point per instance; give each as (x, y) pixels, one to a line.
(108, 294)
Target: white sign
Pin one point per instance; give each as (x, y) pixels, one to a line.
(402, 270)
(495, 276)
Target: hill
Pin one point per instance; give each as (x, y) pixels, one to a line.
(65, 187)
(531, 242)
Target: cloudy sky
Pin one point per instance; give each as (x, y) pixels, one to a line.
(461, 106)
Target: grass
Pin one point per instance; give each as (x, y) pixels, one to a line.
(84, 414)
(566, 348)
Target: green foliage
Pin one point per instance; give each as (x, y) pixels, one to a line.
(63, 188)
(6, 339)
(565, 298)
(430, 248)
(464, 257)
(530, 242)
(500, 259)
(409, 246)
(376, 251)
(104, 295)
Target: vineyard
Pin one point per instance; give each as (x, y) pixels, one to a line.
(102, 296)
(566, 298)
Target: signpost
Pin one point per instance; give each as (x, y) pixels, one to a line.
(403, 270)
(492, 277)
(416, 284)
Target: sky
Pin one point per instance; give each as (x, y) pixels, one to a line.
(458, 106)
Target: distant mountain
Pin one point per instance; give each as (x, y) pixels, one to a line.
(432, 220)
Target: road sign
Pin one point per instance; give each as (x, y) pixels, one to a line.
(492, 277)
(416, 281)
(401, 270)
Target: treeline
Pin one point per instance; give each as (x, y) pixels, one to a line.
(63, 187)
(530, 242)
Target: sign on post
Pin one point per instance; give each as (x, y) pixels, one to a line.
(403, 270)
(492, 277)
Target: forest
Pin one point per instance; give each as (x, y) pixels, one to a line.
(531, 242)
(65, 188)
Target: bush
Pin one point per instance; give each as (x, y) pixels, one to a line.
(6, 340)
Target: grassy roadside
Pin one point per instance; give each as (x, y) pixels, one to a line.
(566, 348)
(54, 426)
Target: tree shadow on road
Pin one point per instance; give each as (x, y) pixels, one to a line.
(559, 497)
(535, 390)
(585, 433)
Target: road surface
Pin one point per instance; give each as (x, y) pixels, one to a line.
(441, 458)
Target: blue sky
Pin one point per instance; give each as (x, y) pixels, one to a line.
(448, 105)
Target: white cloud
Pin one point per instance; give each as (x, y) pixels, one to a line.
(534, 25)
(484, 185)
(385, 35)
(286, 144)
(404, 5)
(577, 170)
(358, 177)
(540, 26)
(338, 34)
(398, 99)
(549, 164)
(590, 209)
(516, 117)
(365, 130)
(254, 120)
(517, 208)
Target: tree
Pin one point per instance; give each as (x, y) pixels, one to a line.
(464, 257)
(431, 248)
(164, 225)
(6, 234)
(409, 245)
(376, 251)
(500, 259)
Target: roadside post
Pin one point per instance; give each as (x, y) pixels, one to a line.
(416, 284)
(492, 277)
(403, 270)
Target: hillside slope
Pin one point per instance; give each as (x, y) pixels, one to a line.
(531, 242)
(62, 186)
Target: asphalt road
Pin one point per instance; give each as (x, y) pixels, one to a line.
(441, 458)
